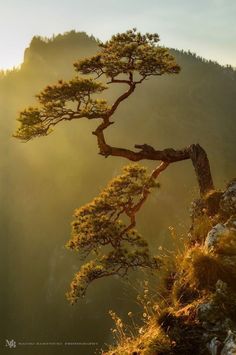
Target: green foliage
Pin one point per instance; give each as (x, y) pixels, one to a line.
(99, 224)
(127, 53)
(199, 271)
(128, 58)
(75, 90)
(32, 124)
(201, 94)
(201, 301)
(61, 102)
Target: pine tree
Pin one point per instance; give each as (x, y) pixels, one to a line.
(100, 228)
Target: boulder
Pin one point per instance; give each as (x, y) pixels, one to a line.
(228, 199)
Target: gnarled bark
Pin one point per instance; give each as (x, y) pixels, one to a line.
(202, 168)
(194, 152)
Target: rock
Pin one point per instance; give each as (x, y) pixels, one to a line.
(231, 223)
(229, 344)
(214, 236)
(228, 199)
(196, 209)
(222, 238)
(214, 346)
(215, 313)
(221, 288)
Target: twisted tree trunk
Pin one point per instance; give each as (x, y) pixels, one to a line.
(194, 152)
(202, 168)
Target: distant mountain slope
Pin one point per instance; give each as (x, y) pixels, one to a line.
(44, 180)
(196, 105)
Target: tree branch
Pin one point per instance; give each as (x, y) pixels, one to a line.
(194, 152)
(202, 168)
(122, 98)
(131, 212)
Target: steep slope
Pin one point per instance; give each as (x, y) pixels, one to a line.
(196, 310)
(44, 180)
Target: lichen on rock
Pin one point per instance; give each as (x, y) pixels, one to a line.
(228, 200)
(200, 317)
(229, 344)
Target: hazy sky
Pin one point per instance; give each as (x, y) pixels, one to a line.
(206, 27)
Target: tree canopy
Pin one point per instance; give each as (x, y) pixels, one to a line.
(106, 226)
(128, 58)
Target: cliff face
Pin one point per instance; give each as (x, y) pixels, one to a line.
(199, 312)
(44, 180)
(206, 282)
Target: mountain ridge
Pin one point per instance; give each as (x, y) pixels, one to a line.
(43, 181)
